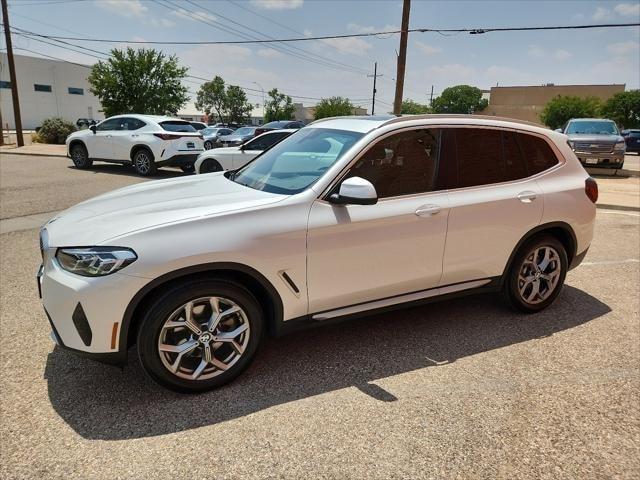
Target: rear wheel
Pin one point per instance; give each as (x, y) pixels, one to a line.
(200, 335)
(208, 145)
(209, 166)
(143, 163)
(537, 274)
(80, 156)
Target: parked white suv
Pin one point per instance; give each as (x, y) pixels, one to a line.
(232, 158)
(345, 216)
(144, 141)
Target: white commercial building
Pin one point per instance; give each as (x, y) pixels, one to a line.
(47, 88)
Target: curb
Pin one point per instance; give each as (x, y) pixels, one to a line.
(612, 173)
(29, 154)
(624, 208)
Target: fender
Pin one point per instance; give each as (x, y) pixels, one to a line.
(277, 309)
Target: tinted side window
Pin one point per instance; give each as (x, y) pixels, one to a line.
(130, 124)
(479, 153)
(402, 164)
(514, 164)
(111, 124)
(537, 153)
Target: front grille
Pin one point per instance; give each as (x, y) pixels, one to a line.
(590, 147)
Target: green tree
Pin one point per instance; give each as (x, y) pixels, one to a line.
(409, 107)
(460, 99)
(229, 103)
(624, 109)
(278, 107)
(139, 81)
(211, 98)
(560, 110)
(333, 107)
(237, 106)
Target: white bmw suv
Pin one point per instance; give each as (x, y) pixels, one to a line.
(144, 141)
(346, 216)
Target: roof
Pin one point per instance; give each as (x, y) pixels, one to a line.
(366, 124)
(593, 119)
(154, 118)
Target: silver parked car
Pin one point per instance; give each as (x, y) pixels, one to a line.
(211, 135)
(596, 142)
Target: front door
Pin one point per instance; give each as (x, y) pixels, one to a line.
(100, 144)
(361, 253)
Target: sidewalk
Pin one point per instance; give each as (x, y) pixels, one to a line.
(619, 193)
(36, 150)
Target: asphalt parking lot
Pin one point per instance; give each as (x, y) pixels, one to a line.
(458, 389)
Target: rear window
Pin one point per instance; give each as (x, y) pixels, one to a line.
(177, 126)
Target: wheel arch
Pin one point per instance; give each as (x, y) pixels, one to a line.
(211, 159)
(140, 146)
(254, 281)
(560, 230)
(77, 141)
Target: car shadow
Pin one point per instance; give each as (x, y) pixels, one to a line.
(127, 170)
(102, 402)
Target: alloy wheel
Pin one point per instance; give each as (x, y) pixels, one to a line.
(143, 163)
(539, 275)
(203, 338)
(78, 156)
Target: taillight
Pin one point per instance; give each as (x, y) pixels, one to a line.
(167, 136)
(591, 189)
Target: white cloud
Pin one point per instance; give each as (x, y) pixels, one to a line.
(623, 48)
(561, 54)
(428, 50)
(454, 70)
(124, 8)
(269, 53)
(627, 9)
(194, 16)
(356, 28)
(278, 4)
(535, 51)
(602, 13)
(349, 46)
(162, 22)
(307, 32)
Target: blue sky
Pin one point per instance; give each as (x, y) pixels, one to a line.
(531, 58)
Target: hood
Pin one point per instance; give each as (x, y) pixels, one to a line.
(218, 151)
(151, 204)
(595, 137)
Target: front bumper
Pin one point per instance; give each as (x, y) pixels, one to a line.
(613, 159)
(86, 313)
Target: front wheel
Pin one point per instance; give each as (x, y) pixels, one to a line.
(200, 335)
(80, 156)
(537, 274)
(208, 145)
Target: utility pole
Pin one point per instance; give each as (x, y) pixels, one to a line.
(12, 74)
(402, 57)
(431, 97)
(375, 75)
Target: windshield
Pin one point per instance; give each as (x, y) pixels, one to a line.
(209, 131)
(296, 162)
(598, 127)
(244, 131)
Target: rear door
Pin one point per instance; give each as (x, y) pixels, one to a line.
(125, 137)
(493, 198)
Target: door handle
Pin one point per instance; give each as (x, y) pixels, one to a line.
(527, 197)
(134, 134)
(427, 210)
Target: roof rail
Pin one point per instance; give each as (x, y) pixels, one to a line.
(434, 116)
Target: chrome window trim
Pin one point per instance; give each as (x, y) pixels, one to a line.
(559, 156)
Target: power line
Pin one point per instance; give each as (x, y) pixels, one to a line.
(472, 31)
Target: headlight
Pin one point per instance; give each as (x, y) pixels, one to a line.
(619, 146)
(95, 261)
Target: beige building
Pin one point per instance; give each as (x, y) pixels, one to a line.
(527, 102)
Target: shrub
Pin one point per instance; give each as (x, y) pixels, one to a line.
(55, 130)
(35, 138)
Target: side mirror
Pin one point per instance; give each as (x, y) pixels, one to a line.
(355, 191)
(92, 128)
(559, 130)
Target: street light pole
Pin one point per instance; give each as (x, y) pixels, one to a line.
(12, 75)
(261, 89)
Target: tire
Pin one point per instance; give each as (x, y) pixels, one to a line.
(163, 332)
(208, 145)
(210, 166)
(143, 163)
(535, 280)
(188, 168)
(80, 156)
